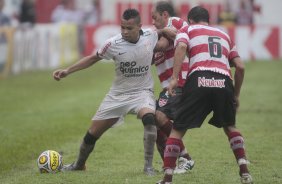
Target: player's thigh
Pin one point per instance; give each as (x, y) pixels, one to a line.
(145, 103)
(161, 118)
(167, 105)
(144, 111)
(98, 127)
(112, 107)
(224, 107)
(193, 109)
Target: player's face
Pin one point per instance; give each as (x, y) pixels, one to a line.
(158, 20)
(130, 30)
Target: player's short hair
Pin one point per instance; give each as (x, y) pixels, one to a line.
(162, 6)
(198, 14)
(131, 14)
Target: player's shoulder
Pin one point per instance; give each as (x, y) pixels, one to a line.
(176, 22)
(148, 32)
(115, 40)
(184, 29)
(221, 31)
(211, 28)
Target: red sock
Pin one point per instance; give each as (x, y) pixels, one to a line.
(166, 128)
(236, 141)
(183, 152)
(172, 151)
(160, 142)
(181, 145)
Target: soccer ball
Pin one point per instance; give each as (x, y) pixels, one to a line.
(49, 162)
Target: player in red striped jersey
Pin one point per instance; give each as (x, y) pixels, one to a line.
(162, 16)
(209, 87)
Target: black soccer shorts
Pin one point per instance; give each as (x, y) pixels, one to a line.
(203, 93)
(167, 103)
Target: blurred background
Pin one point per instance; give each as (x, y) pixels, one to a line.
(41, 34)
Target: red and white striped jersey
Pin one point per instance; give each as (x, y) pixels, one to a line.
(209, 48)
(164, 60)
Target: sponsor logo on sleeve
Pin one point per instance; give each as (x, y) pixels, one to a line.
(105, 49)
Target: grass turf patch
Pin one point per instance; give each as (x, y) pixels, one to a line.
(38, 113)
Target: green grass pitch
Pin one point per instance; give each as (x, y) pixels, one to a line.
(38, 113)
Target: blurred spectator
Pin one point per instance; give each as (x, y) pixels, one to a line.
(256, 8)
(66, 12)
(27, 12)
(93, 16)
(4, 19)
(227, 17)
(244, 16)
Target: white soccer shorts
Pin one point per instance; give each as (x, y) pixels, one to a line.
(117, 106)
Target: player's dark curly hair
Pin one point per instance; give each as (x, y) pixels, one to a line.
(132, 14)
(162, 6)
(198, 14)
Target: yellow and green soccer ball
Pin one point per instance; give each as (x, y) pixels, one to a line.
(49, 161)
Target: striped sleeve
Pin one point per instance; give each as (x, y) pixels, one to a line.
(182, 36)
(233, 52)
(106, 51)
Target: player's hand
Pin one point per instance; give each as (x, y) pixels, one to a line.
(58, 74)
(158, 57)
(172, 85)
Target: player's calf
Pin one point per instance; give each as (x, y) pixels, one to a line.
(150, 136)
(85, 149)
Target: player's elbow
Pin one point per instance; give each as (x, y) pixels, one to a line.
(239, 65)
(181, 48)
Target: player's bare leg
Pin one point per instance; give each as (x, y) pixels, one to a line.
(162, 133)
(96, 130)
(160, 142)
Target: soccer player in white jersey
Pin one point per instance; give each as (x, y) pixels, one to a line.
(209, 87)
(163, 17)
(131, 91)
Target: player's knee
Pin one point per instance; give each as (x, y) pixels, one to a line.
(90, 139)
(148, 119)
(161, 118)
(230, 129)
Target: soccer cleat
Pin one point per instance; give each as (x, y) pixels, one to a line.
(72, 167)
(246, 178)
(149, 171)
(162, 182)
(184, 165)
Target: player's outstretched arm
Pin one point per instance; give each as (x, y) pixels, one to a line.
(80, 65)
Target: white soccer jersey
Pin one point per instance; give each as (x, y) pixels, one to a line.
(132, 62)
